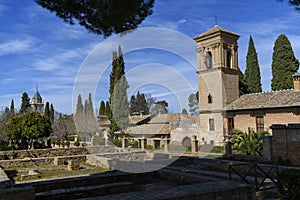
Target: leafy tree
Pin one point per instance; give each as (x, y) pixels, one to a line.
(295, 3)
(102, 110)
(25, 105)
(252, 73)
(284, 64)
(27, 128)
(100, 16)
(160, 107)
(249, 143)
(64, 126)
(132, 105)
(193, 104)
(184, 111)
(12, 107)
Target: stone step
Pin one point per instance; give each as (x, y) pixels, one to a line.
(88, 191)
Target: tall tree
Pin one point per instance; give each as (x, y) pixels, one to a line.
(47, 110)
(252, 73)
(184, 111)
(242, 85)
(100, 16)
(79, 106)
(118, 94)
(284, 64)
(52, 112)
(25, 105)
(102, 108)
(12, 107)
(138, 104)
(193, 104)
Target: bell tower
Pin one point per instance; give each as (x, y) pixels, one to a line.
(217, 53)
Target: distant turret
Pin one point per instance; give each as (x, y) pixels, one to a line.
(37, 102)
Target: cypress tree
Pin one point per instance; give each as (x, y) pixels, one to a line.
(252, 74)
(118, 94)
(79, 106)
(284, 64)
(47, 110)
(242, 85)
(12, 108)
(102, 110)
(107, 109)
(25, 105)
(52, 113)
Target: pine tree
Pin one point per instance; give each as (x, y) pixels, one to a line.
(107, 109)
(102, 110)
(132, 105)
(25, 105)
(252, 74)
(12, 108)
(47, 111)
(284, 64)
(184, 111)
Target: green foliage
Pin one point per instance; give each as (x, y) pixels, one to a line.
(252, 73)
(193, 104)
(79, 105)
(25, 104)
(12, 107)
(184, 111)
(242, 84)
(118, 106)
(160, 107)
(284, 64)
(28, 127)
(249, 143)
(101, 17)
(102, 110)
(135, 144)
(52, 114)
(138, 103)
(47, 110)
(289, 184)
(149, 146)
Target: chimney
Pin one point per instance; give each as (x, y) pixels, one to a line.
(296, 79)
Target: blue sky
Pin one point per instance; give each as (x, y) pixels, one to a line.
(36, 47)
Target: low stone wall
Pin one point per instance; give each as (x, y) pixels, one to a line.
(61, 160)
(25, 162)
(38, 153)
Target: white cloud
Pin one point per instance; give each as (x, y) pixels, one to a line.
(17, 46)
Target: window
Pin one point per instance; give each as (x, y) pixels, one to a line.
(208, 60)
(211, 124)
(260, 123)
(230, 125)
(228, 61)
(209, 99)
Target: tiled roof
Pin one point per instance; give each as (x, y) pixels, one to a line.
(214, 30)
(149, 129)
(137, 118)
(276, 99)
(165, 118)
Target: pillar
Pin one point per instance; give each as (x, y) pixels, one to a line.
(267, 147)
(166, 147)
(228, 148)
(143, 143)
(124, 142)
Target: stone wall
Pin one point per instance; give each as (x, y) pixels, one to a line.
(286, 142)
(24, 193)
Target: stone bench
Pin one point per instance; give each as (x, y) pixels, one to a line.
(73, 165)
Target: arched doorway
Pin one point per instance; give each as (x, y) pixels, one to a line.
(186, 142)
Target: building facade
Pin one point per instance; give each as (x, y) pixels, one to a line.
(217, 53)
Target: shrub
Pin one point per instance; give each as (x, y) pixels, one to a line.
(289, 183)
(135, 144)
(76, 143)
(149, 146)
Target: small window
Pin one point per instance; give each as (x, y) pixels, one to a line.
(208, 60)
(259, 123)
(230, 125)
(209, 99)
(211, 124)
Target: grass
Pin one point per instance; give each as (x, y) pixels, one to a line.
(49, 171)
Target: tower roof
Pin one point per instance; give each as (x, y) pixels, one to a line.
(37, 94)
(215, 30)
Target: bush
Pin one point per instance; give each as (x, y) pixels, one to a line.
(135, 144)
(76, 143)
(149, 146)
(217, 149)
(289, 183)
